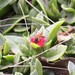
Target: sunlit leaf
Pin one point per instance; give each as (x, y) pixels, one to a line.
(47, 45)
(36, 67)
(6, 48)
(14, 42)
(14, 47)
(16, 39)
(54, 29)
(56, 52)
(9, 58)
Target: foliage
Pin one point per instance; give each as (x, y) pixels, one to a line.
(30, 29)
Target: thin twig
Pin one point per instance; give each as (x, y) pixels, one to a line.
(4, 25)
(7, 19)
(49, 67)
(46, 67)
(24, 18)
(20, 63)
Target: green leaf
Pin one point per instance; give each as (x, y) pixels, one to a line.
(55, 10)
(24, 49)
(63, 13)
(62, 1)
(40, 19)
(14, 42)
(17, 58)
(70, 18)
(13, 46)
(27, 41)
(24, 67)
(50, 14)
(71, 68)
(14, 23)
(42, 22)
(47, 45)
(54, 29)
(33, 13)
(36, 67)
(9, 58)
(39, 16)
(20, 28)
(6, 48)
(55, 52)
(34, 73)
(16, 39)
(41, 30)
(53, 2)
(67, 8)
